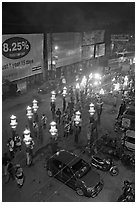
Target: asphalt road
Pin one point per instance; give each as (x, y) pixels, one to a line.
(38, 186)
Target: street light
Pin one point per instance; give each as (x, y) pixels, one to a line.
(30, 115)
(91, 109)
(64, 92)
(29, 145)
(77, 118)
(13, 124)
(35, 108)
(27, 138)
(35, 105)
(53, 130)
(29, 112)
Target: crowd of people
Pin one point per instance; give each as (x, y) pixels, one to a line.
(79, 100)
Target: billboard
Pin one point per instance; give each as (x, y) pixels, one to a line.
(88, 52)
(63, 48)
(121, 37)
(22, 55)
(93, 37)
(100, 50)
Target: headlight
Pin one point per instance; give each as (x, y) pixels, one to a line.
(90, 189)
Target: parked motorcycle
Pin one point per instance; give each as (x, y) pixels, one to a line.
(128, 160)
(128, 193)
(104, 165)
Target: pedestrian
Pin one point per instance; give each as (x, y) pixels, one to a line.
(40, 134)
(5, 161)
(44, 121)
(53, 109)
(19, 175)
(11, 146)
(64, 105)
(11, 171)
(122, 109)
(99, 106)
(17, 140)
(76, 134)
(58, 115)
(35, 129)
(66, 129)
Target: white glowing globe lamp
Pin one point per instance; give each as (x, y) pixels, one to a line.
(102, 92)
(35, 105)
(27, 138)
(29, 112)
(13, 122)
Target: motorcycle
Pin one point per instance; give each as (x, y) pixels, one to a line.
(104, 165)
(128, 160)
(128, 193)
(19, 175)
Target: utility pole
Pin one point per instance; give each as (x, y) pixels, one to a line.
(51, 64)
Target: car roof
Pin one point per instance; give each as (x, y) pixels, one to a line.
(67, 158)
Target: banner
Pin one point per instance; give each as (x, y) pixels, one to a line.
(100, 50)
(90, 38)
(63, 49)
(88, 52)
(22, 55)
(121, 37)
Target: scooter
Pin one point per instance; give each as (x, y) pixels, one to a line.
(128, 193)
(104, 165)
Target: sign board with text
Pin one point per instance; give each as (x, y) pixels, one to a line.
(22, 55)
(90, 38)
(121, 37)
(63, 49)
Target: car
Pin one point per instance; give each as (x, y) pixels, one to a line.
(47, 87)
(104, 165)
(128, 118)
(73, 171)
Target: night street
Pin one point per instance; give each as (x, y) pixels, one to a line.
(68, 102)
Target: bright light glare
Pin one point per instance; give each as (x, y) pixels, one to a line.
(113, 79)
(77, 86)
(96, 83)
(126, 78)
(90, 76)
(84, 81)
(102, 92)
(97, 76)
(56, 47)
(117, 87)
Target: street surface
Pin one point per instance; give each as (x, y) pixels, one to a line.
(38, 187)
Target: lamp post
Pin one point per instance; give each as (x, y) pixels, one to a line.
(30, 115)
(53, 106)
(29, 146)
(77, 122)
(91, 111)
(53, 130)
(64, 93)
(13, 124)
(35, 108)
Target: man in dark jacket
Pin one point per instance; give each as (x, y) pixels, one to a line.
(121, 109)
(58, 114)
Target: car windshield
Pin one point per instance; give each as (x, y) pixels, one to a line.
(80, 168)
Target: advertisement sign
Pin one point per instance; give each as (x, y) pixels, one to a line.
(88, 52)
(22, 55)
(121, 37)
(63, 49)
(100, 50)
(93, 37)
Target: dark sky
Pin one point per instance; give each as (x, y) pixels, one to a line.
(67, 16)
